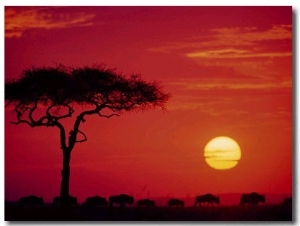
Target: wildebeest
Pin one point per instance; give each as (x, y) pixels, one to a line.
(69, 201)
(252, 198)
(31, 200)
(95, 201)
(146, 202)
(208, 198)
(175, 202)
(121, 199)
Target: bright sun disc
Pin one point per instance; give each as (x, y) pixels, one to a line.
(222, 153)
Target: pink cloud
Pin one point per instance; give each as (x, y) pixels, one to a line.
(18, 20)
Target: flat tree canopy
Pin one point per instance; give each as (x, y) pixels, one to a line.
(84, 86)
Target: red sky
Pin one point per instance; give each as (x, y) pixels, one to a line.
(229, 70)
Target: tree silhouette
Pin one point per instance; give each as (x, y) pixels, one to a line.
(57, 91)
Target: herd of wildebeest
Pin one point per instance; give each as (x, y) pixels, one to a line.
(122, 200)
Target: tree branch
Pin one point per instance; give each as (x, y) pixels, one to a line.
(84, 139)
(79, 119)
(108, 116)
(51, 120)
(69, 114)
(20, 114)
(22, 121)
(31, 110)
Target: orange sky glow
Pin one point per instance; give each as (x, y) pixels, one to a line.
(228, 69)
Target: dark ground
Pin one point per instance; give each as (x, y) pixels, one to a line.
(221, 213)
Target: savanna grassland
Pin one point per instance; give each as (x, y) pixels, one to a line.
(215, 213)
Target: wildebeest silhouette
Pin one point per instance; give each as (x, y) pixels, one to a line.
(208, 198)
(69, 201)
(121, 199)
(252, 198)
(94, 201)
(175, 202)
(30, 200)
(146, 202)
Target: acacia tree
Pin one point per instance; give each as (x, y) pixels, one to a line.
(57, 91)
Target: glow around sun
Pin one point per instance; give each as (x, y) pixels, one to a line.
(222, 153)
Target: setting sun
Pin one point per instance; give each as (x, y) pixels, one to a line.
(222, 153)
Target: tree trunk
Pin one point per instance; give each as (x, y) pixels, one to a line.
(65, 174)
